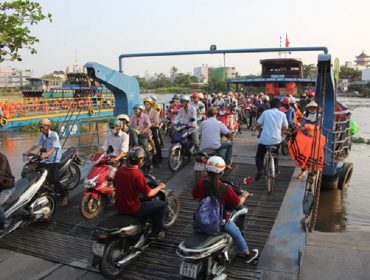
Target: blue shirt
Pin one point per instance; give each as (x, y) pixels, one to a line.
(211, 129)
(272, 122)
(48, 142)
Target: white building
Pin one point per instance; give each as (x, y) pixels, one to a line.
(201, 73)
(365, 75)
(12, 77)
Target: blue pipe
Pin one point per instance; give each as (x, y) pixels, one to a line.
(254, 50)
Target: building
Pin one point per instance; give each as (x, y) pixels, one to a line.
(204, 73)
(365, 75)
(13, 77)
(362, 61)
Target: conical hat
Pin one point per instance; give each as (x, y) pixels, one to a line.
(312, 104)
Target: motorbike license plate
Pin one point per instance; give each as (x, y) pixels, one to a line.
(190, 270)
(199, 166)
(98, 249)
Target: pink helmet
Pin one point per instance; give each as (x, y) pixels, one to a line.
(196, 94)
(311, 94)
(285, 100)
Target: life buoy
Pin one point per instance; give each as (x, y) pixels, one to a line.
(12, 108)
(73, 104)
(88, 103)
(56, 105)
(35, 105)
(81, 104)
(65, 104)
(91, 112)
(3, 121)
(45, 107)
(26, 108)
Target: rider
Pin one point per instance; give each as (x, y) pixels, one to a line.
(288, 110)
(273, 122)
(199, 106)
(117, 139)
(211, 129)
(212, 185)
(130, 183)
(188, 115)
(49, 140)
(6, 187)
(154, 120)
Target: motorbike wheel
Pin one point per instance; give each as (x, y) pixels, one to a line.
(114, 252)
(91, 207)
(172, 210)
(72, 177)
(174, 159)
(51, 204)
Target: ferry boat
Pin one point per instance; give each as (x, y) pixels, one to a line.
(80, 98)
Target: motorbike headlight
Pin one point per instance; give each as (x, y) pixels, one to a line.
(90, 183)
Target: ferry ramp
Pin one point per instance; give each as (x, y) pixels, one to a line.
(66, 239)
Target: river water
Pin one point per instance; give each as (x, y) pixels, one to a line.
(338, 211)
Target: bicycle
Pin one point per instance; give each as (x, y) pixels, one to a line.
(269, 166)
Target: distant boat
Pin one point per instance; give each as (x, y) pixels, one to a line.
(79, 98)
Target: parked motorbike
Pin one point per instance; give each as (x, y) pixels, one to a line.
(98, 185)
(201, 159)
(182, 145)
(29, 202)
(69, 172)
(207, 256)
(120, 239)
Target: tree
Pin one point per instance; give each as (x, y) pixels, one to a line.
(349, 73)
(15, 18)
(184, 80)
(309, 71)
(173, 72)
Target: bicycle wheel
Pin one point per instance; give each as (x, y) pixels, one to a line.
(269, 171)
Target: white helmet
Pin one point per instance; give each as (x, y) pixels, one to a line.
(292, 100)
(215, 164)
(122, 117)
(266, 98)
(184, 98)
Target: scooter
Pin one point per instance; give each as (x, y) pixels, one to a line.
(201, 159)
(28, 202)
(229, 118)
(182, 145)
(69, 172)
(120, 239)
(98, 184)
(207, 256)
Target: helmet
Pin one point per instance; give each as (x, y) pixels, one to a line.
(196, 95)
(44, 121)
(184, 98)
(292, 100)
(266, 98)
(135, 154)
(285, 100)
(157, 106)
(122, 117)
(138, 106)
(175, 97)
(201, 95)
(311, 94)
(114, 122)
(153, 97)
(312, 104)
(215, 164)
(149, 100)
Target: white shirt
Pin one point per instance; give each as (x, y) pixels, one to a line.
(211, 129)
(184, 117)
(272, 122)
(119, 142)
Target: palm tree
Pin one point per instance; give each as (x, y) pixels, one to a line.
(173, 72)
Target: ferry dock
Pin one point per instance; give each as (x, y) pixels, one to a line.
(61, 248)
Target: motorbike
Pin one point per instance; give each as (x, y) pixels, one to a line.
(28, 202)
(182, 145)
(98, 185)
(120, 239)
(201, 159)
(229, 118)
(207, 256)
(69, 172)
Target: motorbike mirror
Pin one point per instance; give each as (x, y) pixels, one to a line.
(192, 120)
(43, 150)
(248, 180)
(110, 149)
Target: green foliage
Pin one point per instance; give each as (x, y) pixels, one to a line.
(349, 73)
(216, 84)
(15, 19)
(360, 140)
(309, 71)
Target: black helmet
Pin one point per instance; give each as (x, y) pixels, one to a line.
(135, 154)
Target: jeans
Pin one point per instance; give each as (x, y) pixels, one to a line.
(153, 209)
(195, 137)
(4, 196)
(229, 151)
(53, 178)
(156, 139)
(232, 229)
(261, 151)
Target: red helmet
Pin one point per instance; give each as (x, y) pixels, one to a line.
(196, 94)
(285, 100)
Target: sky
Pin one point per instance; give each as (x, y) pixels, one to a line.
(99, 31)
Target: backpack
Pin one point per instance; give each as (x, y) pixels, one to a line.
(208, 218)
